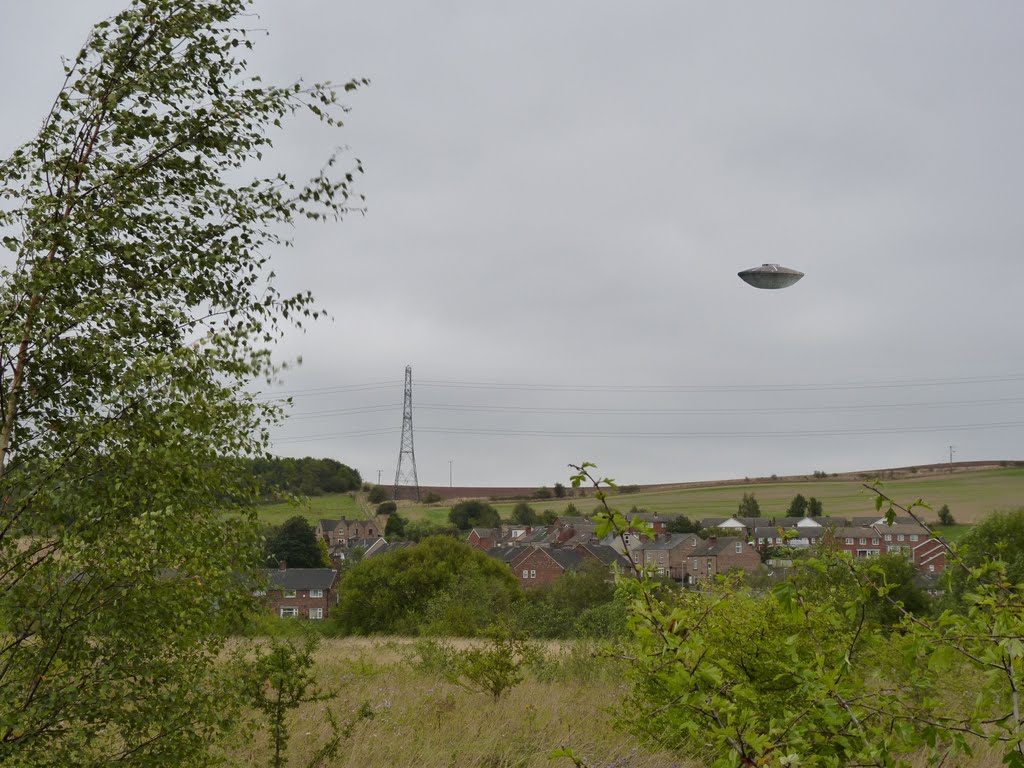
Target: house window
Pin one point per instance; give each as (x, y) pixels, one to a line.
(259, 593)
(316, 593)
(888, 537)
(289, 593)
(899, 537)
(863, 542)
(913, 537)
(849, 540)
(874, 542)
(739, 547)
(931, 569)
(526, 573)
(289, 613)
(533, 574)
(316, 613)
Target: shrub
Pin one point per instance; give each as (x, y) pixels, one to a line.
(474, 514)
(377, 495)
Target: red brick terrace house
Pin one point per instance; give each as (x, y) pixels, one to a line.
(484, 538)
(928, 554)
(543, 565)
(666, 556)
(307, 593)
(720, 555)
(338, 533)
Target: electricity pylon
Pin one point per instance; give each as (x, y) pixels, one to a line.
(409, 465)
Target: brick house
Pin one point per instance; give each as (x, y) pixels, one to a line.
(307, 593)
(927, 553)
(540, 566)
(666, 556)
(857, 540)
(590, 550)
(720, 555)
(484, 538)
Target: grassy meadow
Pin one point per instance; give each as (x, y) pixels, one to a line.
(330, 506)
(423, 721)
(970, 494)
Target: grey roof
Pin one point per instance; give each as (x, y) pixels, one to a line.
(393, 546)
(856, 531)
(505, 554)
(670, 542)
(605, 554)
(301, 578)
(718, 546)
(328, 525)
(566, 558)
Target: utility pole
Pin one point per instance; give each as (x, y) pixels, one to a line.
(951, 459)
(378, 475)
(449, 473)
(406, 454)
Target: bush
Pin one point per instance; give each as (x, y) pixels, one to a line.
(399, 592)
(523, 514)
(432, 498)
(474, 514)
(542, 493)
(377, 495)
(387, 508)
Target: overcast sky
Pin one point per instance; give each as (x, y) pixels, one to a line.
(560, 196)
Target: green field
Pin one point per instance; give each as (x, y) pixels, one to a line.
(971, 495)
(329, 506)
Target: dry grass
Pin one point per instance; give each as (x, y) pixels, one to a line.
(424, 722)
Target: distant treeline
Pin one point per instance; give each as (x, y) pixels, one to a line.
(307, 476)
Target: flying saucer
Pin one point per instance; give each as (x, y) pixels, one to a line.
(770, 276)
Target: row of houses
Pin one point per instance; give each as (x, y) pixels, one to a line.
(861, 537)
(538, 556)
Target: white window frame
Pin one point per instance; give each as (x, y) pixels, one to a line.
(316, 593)
(533, 574)
(913, 537)
(526, 573)
(739, 547)
(316, 613)
(288, 593)
(849, 540)
(899, 537)
(289, 613)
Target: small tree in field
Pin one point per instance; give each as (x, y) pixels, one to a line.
(814, 507)
(524, 514)
(945, 516)
(797, 507)
(749, 506)
(136, 308)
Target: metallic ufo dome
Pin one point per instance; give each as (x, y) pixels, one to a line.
(770, 276)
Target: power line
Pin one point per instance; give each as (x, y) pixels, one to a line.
(674, 435)
(650, 411)
(653, 388)
(656, 388)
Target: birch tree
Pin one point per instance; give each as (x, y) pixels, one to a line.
(136, 304)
